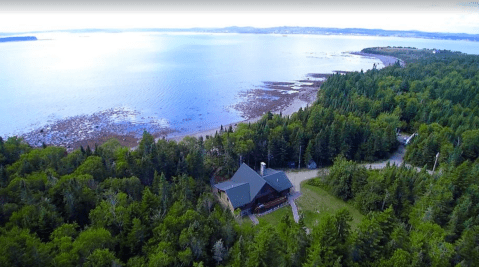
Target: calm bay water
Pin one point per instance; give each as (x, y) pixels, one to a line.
(184, 81)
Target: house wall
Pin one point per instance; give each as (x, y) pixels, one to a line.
(286, 192)
(226, 203)
(268, 194)
(265, 191)
(224, 200)
(246, 208)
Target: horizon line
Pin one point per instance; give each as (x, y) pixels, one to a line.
(226, 27)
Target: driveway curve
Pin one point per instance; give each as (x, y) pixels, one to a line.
(298, 176)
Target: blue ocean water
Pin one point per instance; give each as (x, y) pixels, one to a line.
(187, 82)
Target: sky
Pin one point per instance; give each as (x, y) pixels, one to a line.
(429, 16)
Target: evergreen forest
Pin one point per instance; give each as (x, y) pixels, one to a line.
(153, 206)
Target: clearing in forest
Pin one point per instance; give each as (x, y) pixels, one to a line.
(315, 203)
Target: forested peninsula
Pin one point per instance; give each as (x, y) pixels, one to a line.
(17, 39)
(153, 206)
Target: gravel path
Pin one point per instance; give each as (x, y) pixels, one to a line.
(395, 159)
(296, 177)
(294, 208)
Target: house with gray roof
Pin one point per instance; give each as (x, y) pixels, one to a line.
(253, 192)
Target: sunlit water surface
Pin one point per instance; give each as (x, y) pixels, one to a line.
(187, 82)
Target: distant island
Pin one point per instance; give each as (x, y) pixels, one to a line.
(17, 39)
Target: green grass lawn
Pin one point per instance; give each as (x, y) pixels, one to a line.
(316, 202)
(246, 221)
(274, 217)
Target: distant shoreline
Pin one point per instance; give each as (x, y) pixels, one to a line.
(286, 30)
(17, 39)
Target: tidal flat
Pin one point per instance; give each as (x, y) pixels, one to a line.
(127, 126)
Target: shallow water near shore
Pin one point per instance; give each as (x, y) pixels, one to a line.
(172, 82)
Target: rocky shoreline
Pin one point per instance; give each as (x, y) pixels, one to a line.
(97, 128)
(88, 130)
(278, 97)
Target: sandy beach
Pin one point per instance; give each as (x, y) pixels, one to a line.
(386, 60)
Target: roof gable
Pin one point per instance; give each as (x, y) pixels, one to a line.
(238, 195)
(278, 180)
(247, 175)
(226, 185)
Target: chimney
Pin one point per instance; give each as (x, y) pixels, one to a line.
(263, 167)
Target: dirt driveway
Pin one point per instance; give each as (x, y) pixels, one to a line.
(296, 177)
